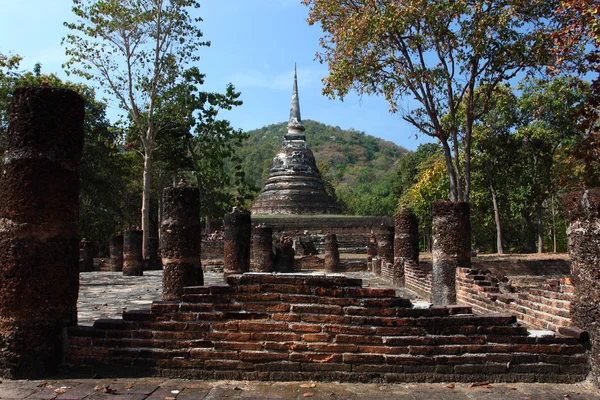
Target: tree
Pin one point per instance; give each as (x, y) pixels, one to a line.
(577, 49)
(436, 53)
(548, 109)
(135, 50)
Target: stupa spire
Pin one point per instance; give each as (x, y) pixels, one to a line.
(295, 128)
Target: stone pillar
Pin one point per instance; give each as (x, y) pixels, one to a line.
(406, 244)
(236, 242)
(115, 247)
(451, 230)
(180, 234)
(385, 248)
(371, 250)
(262, 249)
(332, 253)
(583, 213)
(152, 261)
(132, 253)
(39, 242)
(284, 254)
(86, 259)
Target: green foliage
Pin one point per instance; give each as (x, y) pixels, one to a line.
(359, 167)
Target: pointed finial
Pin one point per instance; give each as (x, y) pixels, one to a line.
(295, 128)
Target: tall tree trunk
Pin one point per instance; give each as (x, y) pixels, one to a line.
(499, 239)
(540, 228)
(146, 199)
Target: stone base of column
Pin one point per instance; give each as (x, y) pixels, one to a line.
(116, 253)
(284, 256)
(332, 253)
(236, 242)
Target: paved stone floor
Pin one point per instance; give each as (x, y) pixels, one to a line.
(165, 389)
(107, 294)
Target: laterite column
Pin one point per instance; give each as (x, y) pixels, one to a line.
(332, 253)
(39, 242)
(262, 249)
(132, 253)
(284, 254)
(385, 250)
(115, 247)
(371, 250)
(406, 244)
(451, 231)
(86, 260)
(152, 262)
(583, 214)
(180, 234)
(236, 242)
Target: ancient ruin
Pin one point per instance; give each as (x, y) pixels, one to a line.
(294, 185)
(133, 261)
(280, 325)
(39, 242)
(179, 244)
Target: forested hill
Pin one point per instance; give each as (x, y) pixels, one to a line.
(353, 162)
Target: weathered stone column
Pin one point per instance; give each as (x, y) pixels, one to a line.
(406, 244)
(385, 249)
(236, 242)
(371, 250)
(86, 259)
(262, 249)
(132, 253)
(284, 254)
(39, 243)
(115, 247)
(180, 234)
(583, 214)
(152, 262)
(332, 253)
(451, 231)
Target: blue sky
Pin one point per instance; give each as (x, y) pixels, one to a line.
(255, 44)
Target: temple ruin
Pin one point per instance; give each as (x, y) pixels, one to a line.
(272, 325)
(294, 185)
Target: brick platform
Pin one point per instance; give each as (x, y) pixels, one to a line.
(299, 327)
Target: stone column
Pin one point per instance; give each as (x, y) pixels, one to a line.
(284, 254)
(86, 259)
(262, 249)
(180, 241)
(451, 230)
(236, 242)
(385, 248)
(132, 253)
(583, 214)
(115, 247)
(39, 242)
(406, 244)
(332, 253)
(152, 262)
(371, 250)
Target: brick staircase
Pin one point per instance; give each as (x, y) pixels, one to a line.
(307, 327)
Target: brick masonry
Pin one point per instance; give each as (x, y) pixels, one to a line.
(543, 306)
(299, 327)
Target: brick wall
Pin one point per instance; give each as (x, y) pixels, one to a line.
(537, 303)
(301, 327)
(544, 307)
(418, 279)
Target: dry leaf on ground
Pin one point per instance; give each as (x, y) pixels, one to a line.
(308, 394)
(308, 385)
